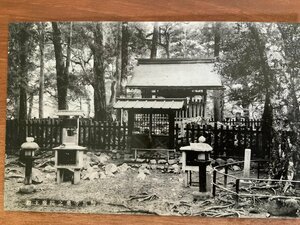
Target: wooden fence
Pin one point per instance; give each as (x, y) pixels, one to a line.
(194, 109)
(48, 134)
(242, 122)
(225, 140)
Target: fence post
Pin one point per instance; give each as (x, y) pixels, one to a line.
(214, 182)
(124, 136)
(176, 137)
(216, 144)
(225, 176)
(187, 128)
(237, 188)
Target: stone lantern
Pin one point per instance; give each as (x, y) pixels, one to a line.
(69, 155)
(203, 160)
(29, 147)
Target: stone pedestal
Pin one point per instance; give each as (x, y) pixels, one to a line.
(68, 158)
(200, 196)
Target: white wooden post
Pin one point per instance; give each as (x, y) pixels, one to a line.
(247, 159)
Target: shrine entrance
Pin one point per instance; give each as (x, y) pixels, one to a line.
(151, 122)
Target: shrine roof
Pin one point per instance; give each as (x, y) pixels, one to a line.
(175, 73)
(150, 103)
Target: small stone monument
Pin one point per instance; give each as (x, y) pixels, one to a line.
(69, 155)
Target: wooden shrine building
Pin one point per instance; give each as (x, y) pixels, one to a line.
(167, 87)
(177, 78)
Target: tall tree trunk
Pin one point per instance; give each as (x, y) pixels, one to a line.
(99, 73)
(31, 96)
(124, 57)
(23, 71)
(116, 83)
(267, 117)
(62, 78)
(41, 28)
(218, 95)
(23, 75)
(154, 45)
(168, 46)
(293, 74)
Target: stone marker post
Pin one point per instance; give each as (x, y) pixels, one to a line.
(247, 160)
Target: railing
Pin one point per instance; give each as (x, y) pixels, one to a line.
(235, 190)
(225, 140)
(194, 109)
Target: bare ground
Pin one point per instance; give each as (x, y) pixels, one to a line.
(158, 194)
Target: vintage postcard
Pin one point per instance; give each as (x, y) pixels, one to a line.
(156, 118)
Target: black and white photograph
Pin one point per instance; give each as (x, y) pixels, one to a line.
(154, 118)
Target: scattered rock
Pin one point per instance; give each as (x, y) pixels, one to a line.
(136, 165)
(123, 168)
(102, 175)
(172, 161)
(27, 189)
(140, 160)
(93, 157)
(160, 167)
(162, 161)
(220, 162)
(95, 167)
(110, 169)
(144, 170)
(141, 176)
(20, 180)
(89, 169)
(236, 168)
(230, 160)
(49, 169)
(153, 167)
(94, 175)
(176, 168)
(50, 176)
(37, 176)
(153, 161)
(145, 165)
(110, 175)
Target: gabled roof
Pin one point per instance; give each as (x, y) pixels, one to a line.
(150, 103)
(175, 73)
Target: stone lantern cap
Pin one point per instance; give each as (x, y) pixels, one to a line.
(30, 144)
(201, 146)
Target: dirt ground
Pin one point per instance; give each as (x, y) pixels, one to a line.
(158, 194)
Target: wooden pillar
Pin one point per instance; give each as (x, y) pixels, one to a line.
(204, 102)
(130, 127)
(171, 128)
(218, 105)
